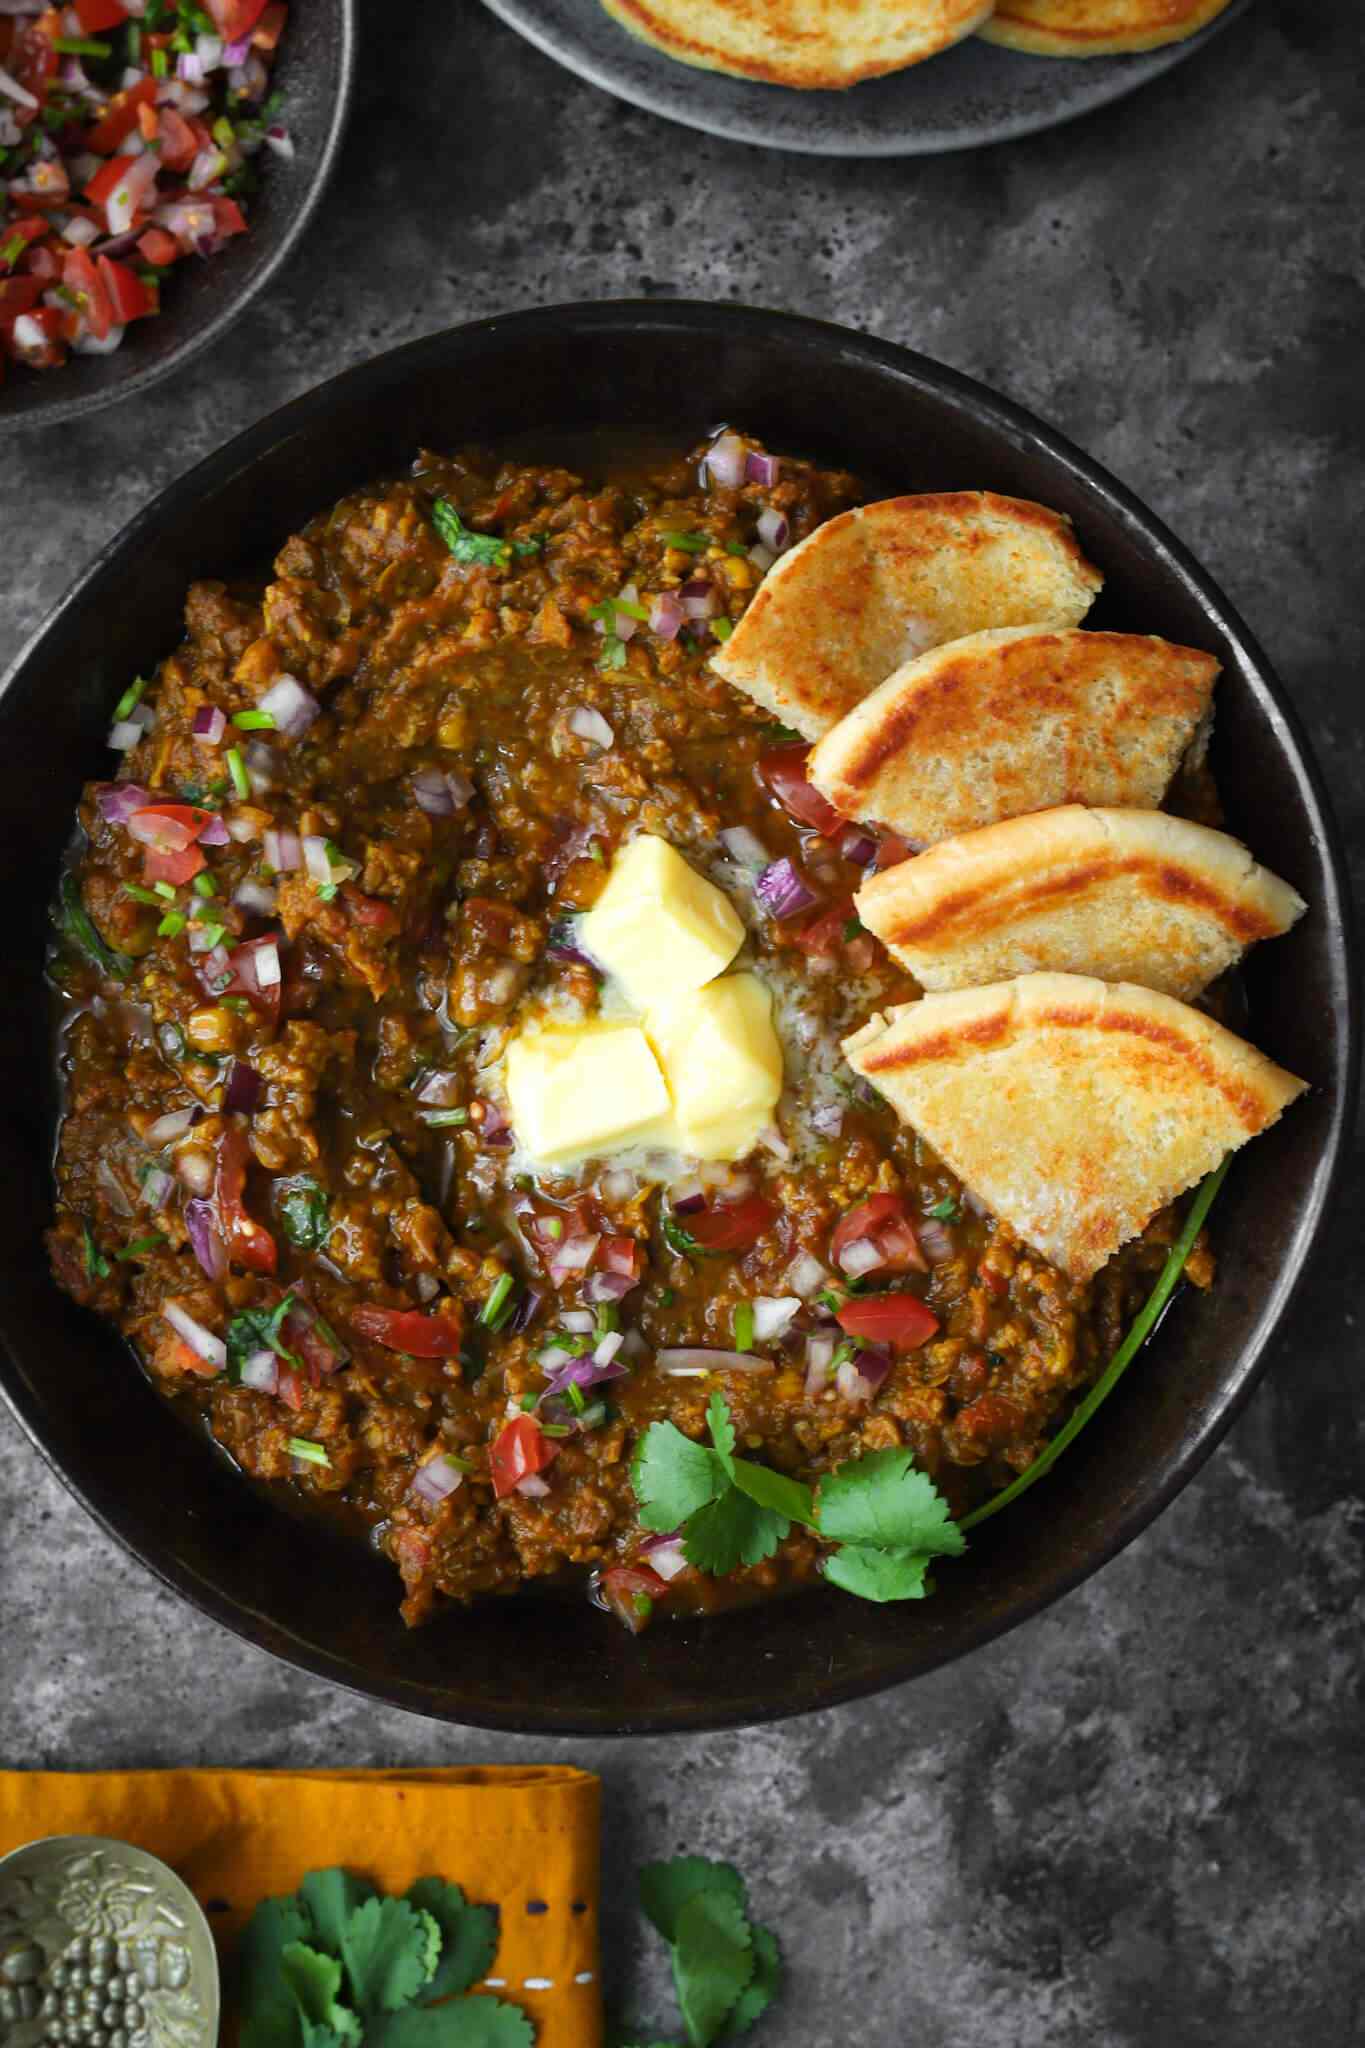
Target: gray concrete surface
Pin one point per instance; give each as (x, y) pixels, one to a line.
(1138, 1822)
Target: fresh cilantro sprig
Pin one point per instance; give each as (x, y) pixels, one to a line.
(887, 1520)
(726, 1968)
(258, 1329)
(337, 1965)
(488, 549)
(304, 1212)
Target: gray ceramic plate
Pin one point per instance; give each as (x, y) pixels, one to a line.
(970, 95)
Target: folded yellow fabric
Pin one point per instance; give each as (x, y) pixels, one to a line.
(524, 1840)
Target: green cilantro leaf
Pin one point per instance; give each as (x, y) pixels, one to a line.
(679, 1239)
(484, 548)
(881, 1500)
(665, 1888)
(257, 1329)
(331, 1897)
(713, 1962)
(947, 1211)
(315, 1981)
(730, 1532)
(673, 1477)
(722, 1432)
(533, 545)
(787, 1497)
(307, 1222)
(469, 1935)
(613, 653)
(388, 1949)
(762, 1988)
(96, 1265)
(879, 1575)
(465, 2023)
(270, 2015)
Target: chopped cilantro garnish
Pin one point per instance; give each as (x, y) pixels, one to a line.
(486, 549)
(96, 1265)
(142, 1245)
(204, 885)
(680, 1240)
(726, 1969)
(532, 545)
(553, 1227)
(307, 1221)
(159, 63)
(721, 629)
(213, 935)
(576, 1398)
(852, 927)
(236, 768)
(131, 697)
(307, 1452)
(688, 543)
(735, 547)
(946, 1211)
(81, 46)
(172, 924)
(744, 1326)
(499, 1303)
(254, 721)
(141, 895)
(779, 732)
(613, 653)
(258, 1329)
(164, 891)
(444, 1119)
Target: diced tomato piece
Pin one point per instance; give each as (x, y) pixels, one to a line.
(824, 935)
(991, 1419)
(304, 1337)
(629, 1592)
(228, 217)
(44, 264)
(97, 14)
(290, 1390)
(80, 276)
(901, 1320)
(33, 62)
(158, 865)
(18, 295)
(128, 295)
(171, 827)
(31, 229)
(119, 118)
(185, 1358)
(369, 910)
(410, 1330)
(783, 769)
(622, 1255)
(41, 346)
(892, 850)
(270, 27)
(885, 1222)
(179, 147)
(249, 1242)
(158, 248)
(731, 1226)
(105, 180)
(235, 19)
(520, 1448)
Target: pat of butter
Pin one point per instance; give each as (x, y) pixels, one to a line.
(659, 927)
(587, 1089)
(723, 1060)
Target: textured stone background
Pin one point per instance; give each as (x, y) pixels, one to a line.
(1138, 1822)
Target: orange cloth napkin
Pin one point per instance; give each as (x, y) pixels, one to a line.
(524, 1840)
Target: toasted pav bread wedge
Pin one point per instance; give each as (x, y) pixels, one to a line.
(874, 587)
(1123, 895)
(1097, 28)
(810, 44)
(1016, 720)
(1073, 1108)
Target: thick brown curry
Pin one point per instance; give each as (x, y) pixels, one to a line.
(281, 1069)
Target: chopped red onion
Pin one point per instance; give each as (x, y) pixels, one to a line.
(85, 343)
(774, 529)
(281, 141)
(209, 724)
(762, 558)
(215, 832)
(806, 1276)
(316, 859)
(935, 1240)
(437, 1479)
(744, 846)
(700, 599)
(235, 54)
(283, 851)
(587, 724)
(694, 1362)
(578, 1372)
(189, 67)
(526, 1311)
(533, 1486)
(201, 1221)
(819, 1358)
(169, 1127)
(291, 706)
(201, 1341)
(579, 1322)
(773, 1316)
(441, 792)
(195, 1170)
(13, 90)
(859, 847)
(255, 898)
(262, 1372)
(601, 1287)
(267, 964)
(619, 1184)
(688, 1199)
(772, 1140)
(124, 734)
(442, 1091)
(608, 1348)
(861, 1256)
(563, 942)
(575, 1255)
(828, 1119)
(724, 462)
(243, 1088)
(665, 1554)
(665, 616)
(763, 470)
(117, 801)
(157, 1187)
(260, 766)
(426, 1287)
(783, 890)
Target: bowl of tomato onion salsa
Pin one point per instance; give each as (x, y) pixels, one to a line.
(158, 160)
(376, 1305)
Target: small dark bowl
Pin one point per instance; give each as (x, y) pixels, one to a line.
(315, 73)
(539, 1666)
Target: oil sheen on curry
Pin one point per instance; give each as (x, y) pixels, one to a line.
(452, 987)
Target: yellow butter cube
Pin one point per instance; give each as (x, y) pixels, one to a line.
(578, 1091)
(659, 927)
(723, 1061)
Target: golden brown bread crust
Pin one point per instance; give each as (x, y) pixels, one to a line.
(813, 45)
(1096, 28)
(1126, 895)
(876, 586)
(1074, 1108)
(1016, 720)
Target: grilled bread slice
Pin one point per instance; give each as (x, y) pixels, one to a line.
(1097, 28)
(1124, 895)
(1073, 1108)
(1018, 720)
(810, 44)
(874, 587)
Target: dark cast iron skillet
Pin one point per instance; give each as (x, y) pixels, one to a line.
(537, 1665)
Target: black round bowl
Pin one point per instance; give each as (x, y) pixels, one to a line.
(546, 1667)
(314, 72)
